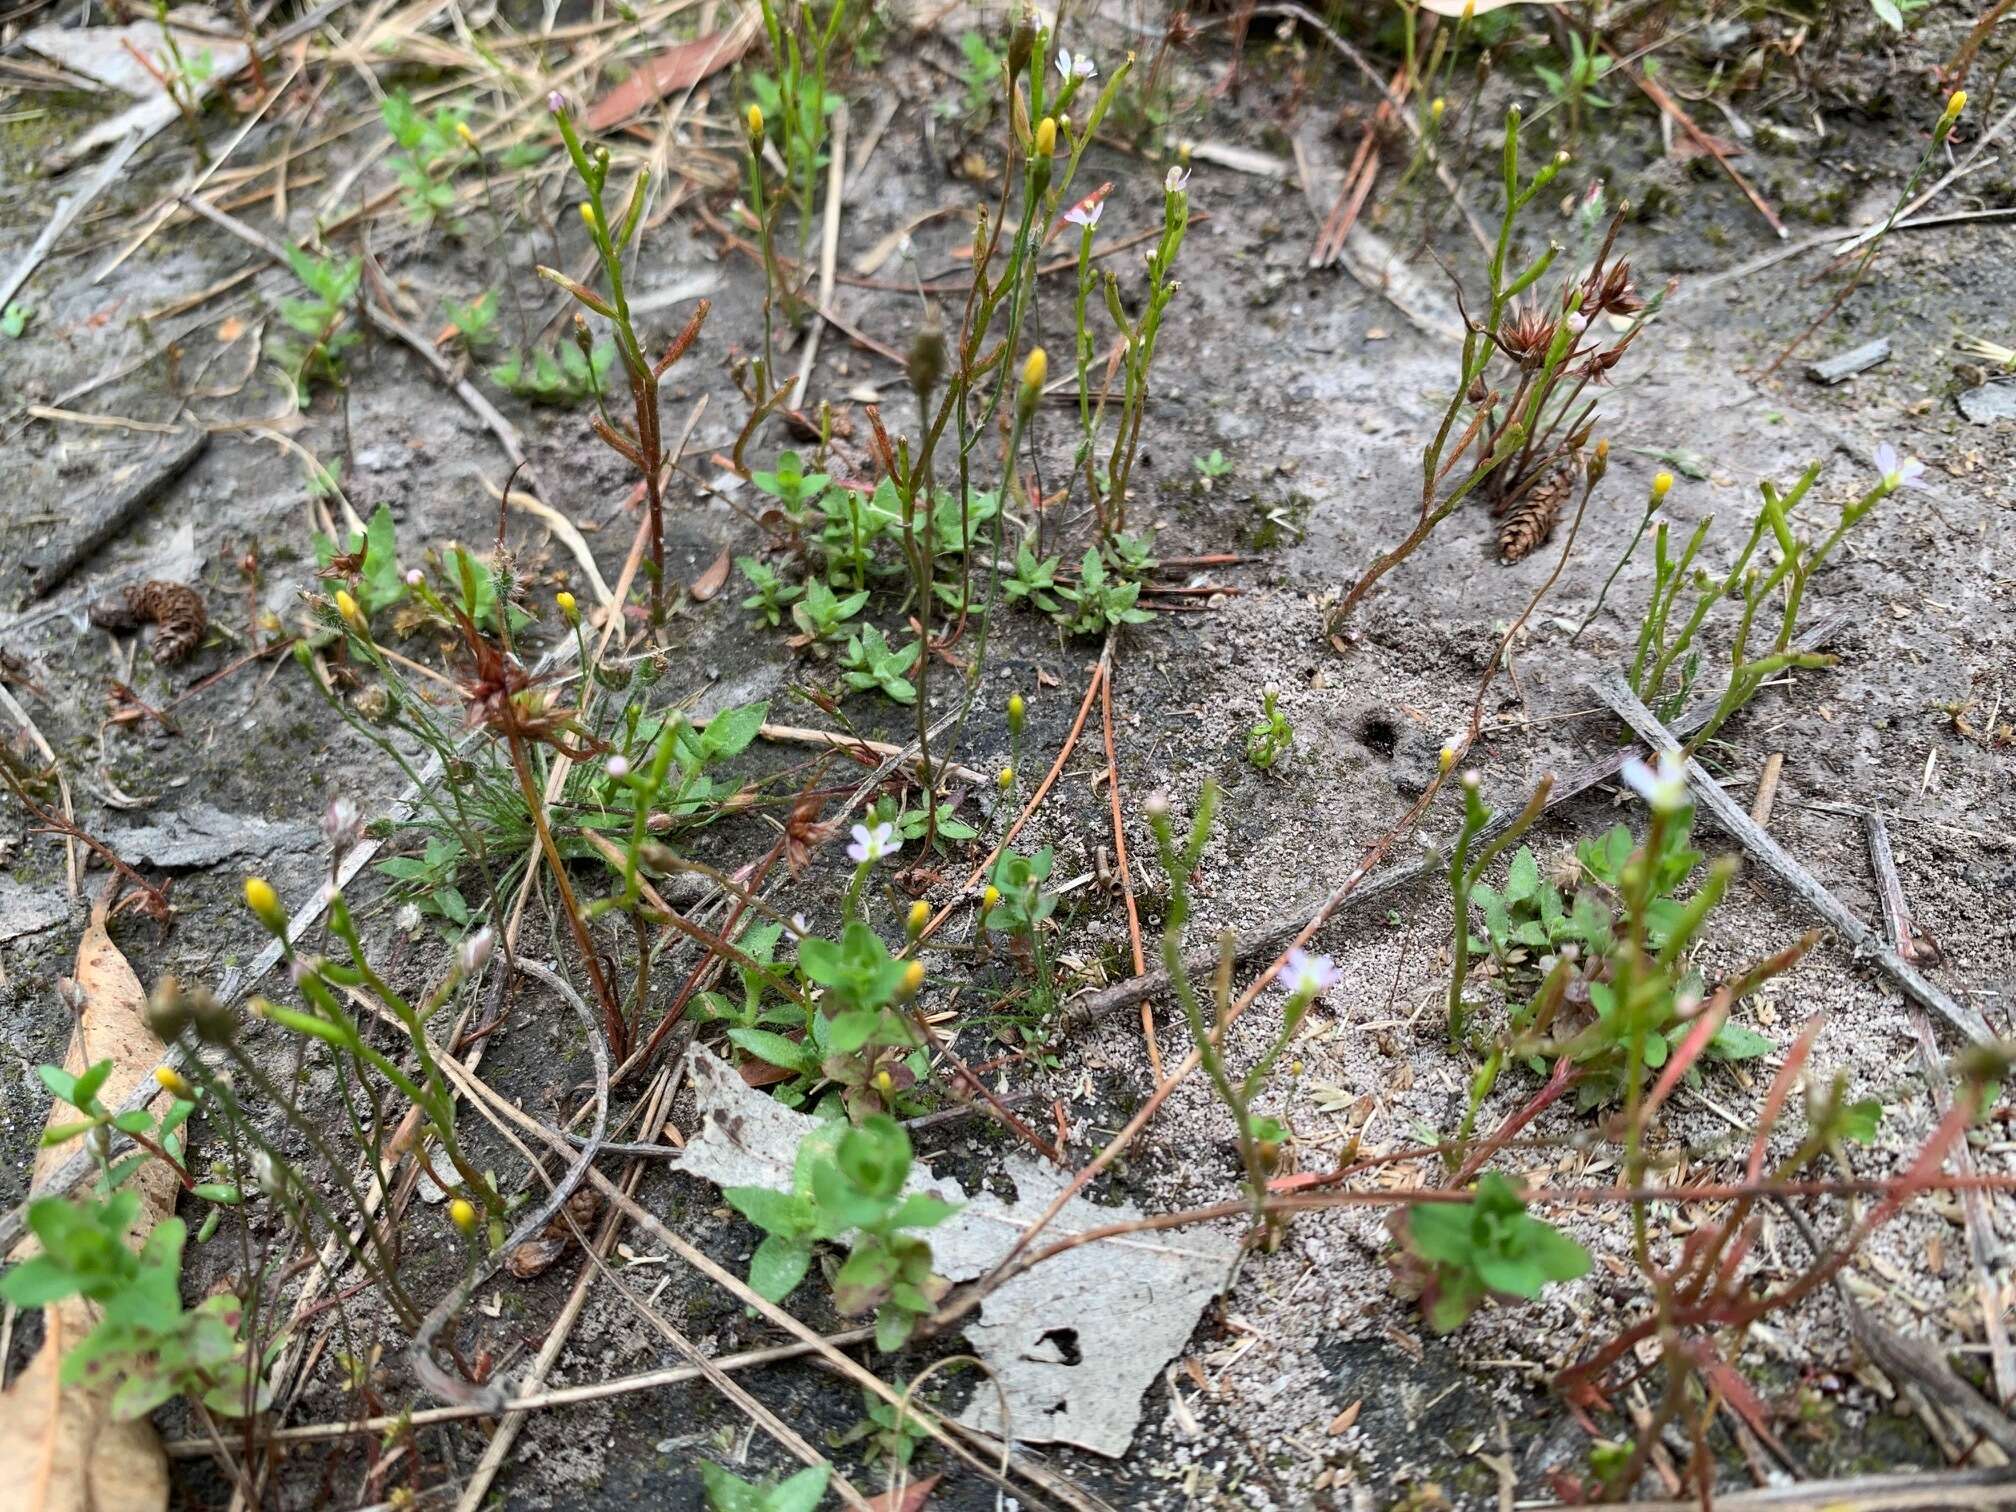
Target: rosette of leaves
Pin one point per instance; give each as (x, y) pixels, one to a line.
(1455, 1255)
(851, 1183)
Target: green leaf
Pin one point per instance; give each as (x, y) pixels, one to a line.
(922, 1210)
(729, 733)
(774, 1049)
(1524, 879)
(1859, 1121)
(1733, 1042)
(779, 1264)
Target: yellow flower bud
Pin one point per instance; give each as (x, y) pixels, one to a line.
(920, 915)
(171, 1080)
(1435, 109)
(1469, 10)
(462, 1213)
(569, 611)
(352, 615)
(1447, 758)
(1662, 484)
(1016, 710)
(1046, 138)
(913, 979)
(754, 119)
(1955, 103)
(1603, 449)
(265, 903)
(587, 216)
(468, 137)
(989, 898)
(884, 1082)
(1006, 780)
(1035, 369)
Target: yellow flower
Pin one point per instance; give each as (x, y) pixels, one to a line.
(1035, 369)
(755, 121)
(913, 979)
(462, 1213)
(171, 1080)
(265, 903)
(1046, 138)
(989, 898)
(569, 611)
(1662, 484)
(920, 915)
(884, 1083)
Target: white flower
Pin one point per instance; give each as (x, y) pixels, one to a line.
(1080, 67)
(1308, 975)
(1176, 181)
(1898, 472)
(342, 825)
(473, 954)
(1664, 787)
(1083, 214)
(415, 577)
(619, 767)
(873, 844)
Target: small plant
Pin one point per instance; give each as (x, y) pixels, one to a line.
(1098, 601)
(14, 319)
(322, 322)
(796, 491)
(1034, 581)
(564, 377)
(773, 597)
(1305, 978)
(475, 321)
(821, 613)
(1574, 84)
(1270, 737)
(795, 100)
(980, 77)
(1456, 1255)
(368, 564)
(426, 143)
(728, 1492)
(869, 662)
(1212, 466)
(851, 1182)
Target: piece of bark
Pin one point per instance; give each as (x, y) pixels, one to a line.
(64, 1450)
(1845, 365)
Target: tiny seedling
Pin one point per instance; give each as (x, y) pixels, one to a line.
(1271, 735)
(869, 662)
(1212, 465)
(728, 1492)
(322, 323)
(563, 377)
(821, 613)
(773, 597)
(1461, 1253)
(1098, 601)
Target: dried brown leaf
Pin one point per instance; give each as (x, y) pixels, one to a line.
(64, 1450)
(712, 581)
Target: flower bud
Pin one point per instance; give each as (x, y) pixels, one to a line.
(473, 954)
(1157, 807)
(926, 364)
(619, 767)
(1436, 107)
(1046, 138)
(1447, 757)
(556, 102)
(1662, 485)
(265, 904)
(1034, 370)
(1017, 709)
(175, 1083)
(1021, 47)
(352, 615)
(167, 1010)
(919, 916)
(215, 1020)
(342, 825)
(1599, 463)
(468, 137)
(1955, 103)
(913, 980)
(989, 899)
(569, 611)
(1005, 780)
(1478, 392)
(587, 213)
(462, 1213)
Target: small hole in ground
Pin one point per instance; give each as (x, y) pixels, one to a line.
(1378, 734)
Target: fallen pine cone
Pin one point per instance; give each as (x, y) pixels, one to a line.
(1529, 522)
(174, 609)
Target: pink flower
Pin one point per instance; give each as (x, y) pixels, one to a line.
(1082, 214)
(1898, 472)
(1308, 975)
(873, 844)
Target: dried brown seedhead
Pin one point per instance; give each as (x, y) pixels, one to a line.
(1525, 337)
